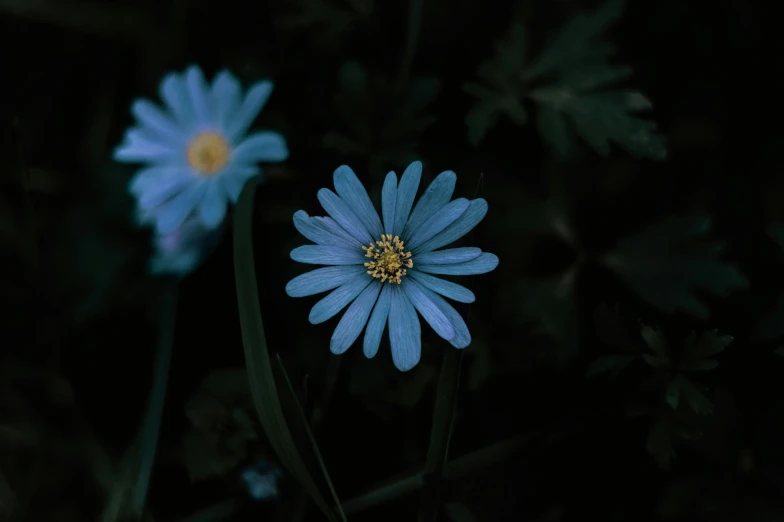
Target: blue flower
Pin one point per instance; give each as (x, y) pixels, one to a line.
(383, 265)
(182, 251)
(197, 152)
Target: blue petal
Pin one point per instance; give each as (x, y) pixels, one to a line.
(486, 262)
(462, 336)
(175, 94)
(354, 320)
(388, 199)
(321, 280)
(212, 208)
(226, 92)
(330, 225)
(350, 190)
(377, 322)
(234, 179)
(404, 332)
(345, 217)
(150, 178)
(140, 147)
(200, 96)
(316, 231)
(444, 217)
(327, 255)
(448, 289)
(435, 197)
(463, 225)
(406, 193)
(434, 317)
(164, 188)
(329, 306)
(156, 122)
(261, 146)
(447, 257)
(249, 110)
(171, 215)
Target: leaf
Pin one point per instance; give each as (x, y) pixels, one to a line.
(459, 512)
(655, 340)
(696, 354)
(666, 264)
(613, 364)
(257, 358)
(567, 81)
(682, 388)
(552, 305)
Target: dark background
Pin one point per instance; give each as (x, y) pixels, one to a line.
(78, 310)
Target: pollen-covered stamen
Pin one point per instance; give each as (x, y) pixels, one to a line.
(388, 259)
(208, 153)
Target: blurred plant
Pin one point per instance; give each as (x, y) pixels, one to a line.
(568, 80)
(327, 21)
(680, 404)
(383, 121)
(222, 425)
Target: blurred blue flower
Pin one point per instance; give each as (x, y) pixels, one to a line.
(400, 249)
(261, 480)
(182, 251)
(196, 149)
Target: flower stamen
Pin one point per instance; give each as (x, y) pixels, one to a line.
(208, 153)
(388, 259)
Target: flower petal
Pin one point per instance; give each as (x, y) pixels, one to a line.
(171, 215)
(406, 193)
(150, 178)
(227, 92)
(332, 226)
(329, 306)
(444, 217)
(261, 146)
(314, 229)
(234, 179)
(447, 257)
(388, 200)
(405, 335)
(164, 188)
(476, 211)
(321, 280)
(446, 288)
(138, 146)
(249, 110)
(350, 190)
(200, 97)
(486, 262)
(427, 309)
(327, 255)
(462, 336)
(354, 320)
(212, 208)
(174, 92)
(435, 197)
(153, 120)
(345, 217)
(377, 322)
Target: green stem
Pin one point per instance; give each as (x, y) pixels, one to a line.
(415, 8)
(151, 425)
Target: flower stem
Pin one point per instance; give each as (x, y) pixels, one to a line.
(415, 8)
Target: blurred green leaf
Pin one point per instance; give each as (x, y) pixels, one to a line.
(612, 364)
(668, 427)
(257, 357)
(697, 353)
(666, 264)
(655, 340)
(567, 81)
(459, 512)
(681, 387)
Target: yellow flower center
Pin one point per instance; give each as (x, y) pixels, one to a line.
(208, 153)
(388, 259)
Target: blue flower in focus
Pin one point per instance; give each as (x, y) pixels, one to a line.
(196, 148)
(384, 266)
